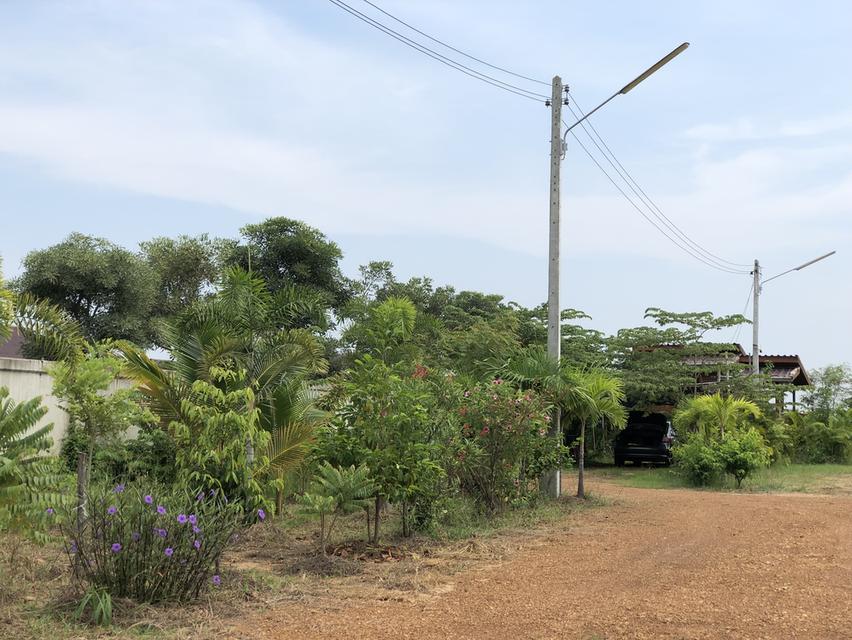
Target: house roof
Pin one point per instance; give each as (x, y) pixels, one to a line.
(13, 347)
(783, 369)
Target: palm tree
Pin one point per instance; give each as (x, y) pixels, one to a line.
(709, 414)
(291, 415)
(555, 380)
(603, 401)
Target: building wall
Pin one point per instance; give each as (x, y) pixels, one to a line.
(27, 379)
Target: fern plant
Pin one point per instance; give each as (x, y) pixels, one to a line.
(338, 491)
(29, 487)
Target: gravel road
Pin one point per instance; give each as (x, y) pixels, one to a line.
(653, 564)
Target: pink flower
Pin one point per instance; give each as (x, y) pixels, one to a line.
(484, 432)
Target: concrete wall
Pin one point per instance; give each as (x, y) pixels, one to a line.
(27, 379)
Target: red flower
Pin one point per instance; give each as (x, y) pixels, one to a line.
(484, 432)
(420, 372)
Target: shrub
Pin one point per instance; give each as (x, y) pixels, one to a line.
(503, 444)
(698, 460)
(817, 442)
(152, 545)
(743, 453)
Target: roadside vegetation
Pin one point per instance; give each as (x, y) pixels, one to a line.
(296, 422)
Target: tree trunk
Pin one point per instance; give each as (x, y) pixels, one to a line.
(82, 490)
(378, 519)
(279, 502)
(581, 461)
(369, 532)
(406, 526)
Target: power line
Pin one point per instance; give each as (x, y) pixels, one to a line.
(453, 64)
(739, 328)
(640, 193)
(452, 48)
(674, 241)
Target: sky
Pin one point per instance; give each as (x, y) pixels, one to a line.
(148, 118)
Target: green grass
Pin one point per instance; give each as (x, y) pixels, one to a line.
(780, 478)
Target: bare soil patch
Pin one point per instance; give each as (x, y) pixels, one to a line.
(656, 564)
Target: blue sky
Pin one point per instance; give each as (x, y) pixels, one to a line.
(135, 119)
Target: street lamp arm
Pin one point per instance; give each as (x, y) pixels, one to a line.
(630, 85)
(800, 267)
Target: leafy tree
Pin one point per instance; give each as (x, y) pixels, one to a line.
(388, 413)
(98, 411)
(187, 268)
(286, 252)
(482, 347)
(110, 291)
(831, 391)
(661, 364)
(698, 460)
(7, 309)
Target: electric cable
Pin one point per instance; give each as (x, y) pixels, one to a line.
(453, 64)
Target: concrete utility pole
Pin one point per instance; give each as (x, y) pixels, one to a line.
(552, 481)
(755, 349)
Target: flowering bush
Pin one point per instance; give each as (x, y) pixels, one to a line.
(503, 443)
(150, 545)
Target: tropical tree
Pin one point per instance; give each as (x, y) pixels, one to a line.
(602, 400)
(292, 417)
(554, 379)
(238, 343)
(715, 415)
(339, 491)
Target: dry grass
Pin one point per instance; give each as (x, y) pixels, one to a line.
(272, 564)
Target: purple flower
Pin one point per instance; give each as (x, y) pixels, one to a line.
(182, 518)
(169, 551)
(193, 520)
(160, 532)
(217, 580)
(49, 511)
(119, 488)
(116, 547)
(212, 492)
(195, 529)
(112, 511)
(199, 497)
(149, 499)
(261, 514)
(197, 544)
(73, 547)
(161, 510)
(135, 536)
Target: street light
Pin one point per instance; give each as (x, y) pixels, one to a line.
(551, 481)
(758, 286)
(632, 84)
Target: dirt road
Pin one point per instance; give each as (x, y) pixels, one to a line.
(654, 564)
